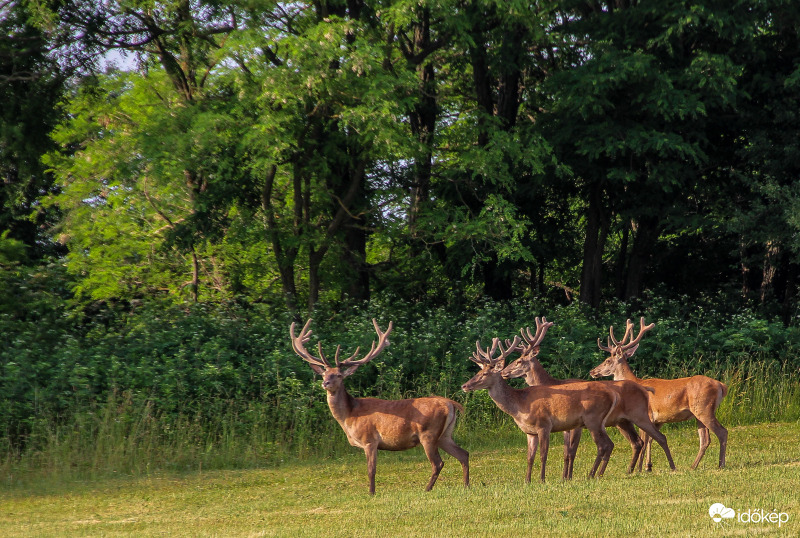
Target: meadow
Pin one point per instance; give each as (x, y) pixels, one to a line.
(197, 428)
(328, 496)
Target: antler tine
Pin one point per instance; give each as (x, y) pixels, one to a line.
(351, 357)
(383, 341)
(602, 347)
(527, 337)
(611, 335)
(322, 355)
(484, 356)
(544, 324)
(628, 331)
(478, 355)
(642, 329)
(338, 351)
(476, 359)
(298, 345)
(511, 347)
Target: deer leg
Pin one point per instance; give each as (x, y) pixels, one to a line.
(432, 451)
(574, 441)
(652, 432)
(544, 440)
(567, 447)
(533, 443)
(450, 446)
(711, 423)
(644, 438)
(722, 435)
(648, 443)
(702, 433)
(604, 448)
(371, 451)
(629, 432)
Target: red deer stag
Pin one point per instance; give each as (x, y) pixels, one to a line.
(674, 400)
(540, 410)
(631, 410)
(373, 424)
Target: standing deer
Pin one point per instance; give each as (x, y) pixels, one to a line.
(540, 410)
(373, 424)
(633, 407)
(674, 400)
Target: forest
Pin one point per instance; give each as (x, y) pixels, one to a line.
(180, 180)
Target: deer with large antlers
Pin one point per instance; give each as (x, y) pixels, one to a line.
(540, 410)
(632, 409)
(373, 424)
(674, 400)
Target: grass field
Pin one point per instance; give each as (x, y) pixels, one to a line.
(329, 497)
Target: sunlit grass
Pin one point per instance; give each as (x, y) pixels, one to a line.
(328, 497)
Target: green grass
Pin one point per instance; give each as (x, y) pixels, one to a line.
(329, 497)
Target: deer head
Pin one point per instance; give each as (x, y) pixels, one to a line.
(491, 367)
(332, 376)
(530, 349)
(620, 351)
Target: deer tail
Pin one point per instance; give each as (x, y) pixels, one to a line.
(458, 406)
(613, 405)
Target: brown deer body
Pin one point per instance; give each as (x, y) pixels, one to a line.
(632, 409)
(673, 400)
(540, 410)
(373, 424)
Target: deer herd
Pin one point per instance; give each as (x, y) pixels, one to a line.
(545, 406)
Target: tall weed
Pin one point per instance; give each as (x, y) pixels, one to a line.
(219, 386)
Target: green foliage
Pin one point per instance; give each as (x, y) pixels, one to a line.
(459, 169)
(31, 85)
(207, 378)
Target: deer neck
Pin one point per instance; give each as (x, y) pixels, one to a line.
(506, 397)
(341, 404)
(537, 375)
(624, 372)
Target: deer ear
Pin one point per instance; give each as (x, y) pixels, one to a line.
(318, 369)
(631, 351)
(350, 370)
(499, 366)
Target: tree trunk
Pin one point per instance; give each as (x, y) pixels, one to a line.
(744, 264)
(355, 239)
(342, 212)
(771, 258)
(195, 285)
(646, 235)
(314, 261)
(285, 257)
(423, 123)
(622, 262)
(593, 245)
(497, 276)
(496, 280)
(789, 301)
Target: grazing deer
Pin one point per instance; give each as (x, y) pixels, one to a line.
(373, 424)
(632, 409)
(674, 400)
(540, 410)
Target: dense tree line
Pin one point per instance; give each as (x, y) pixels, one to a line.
(293, 153)
(178, 180)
